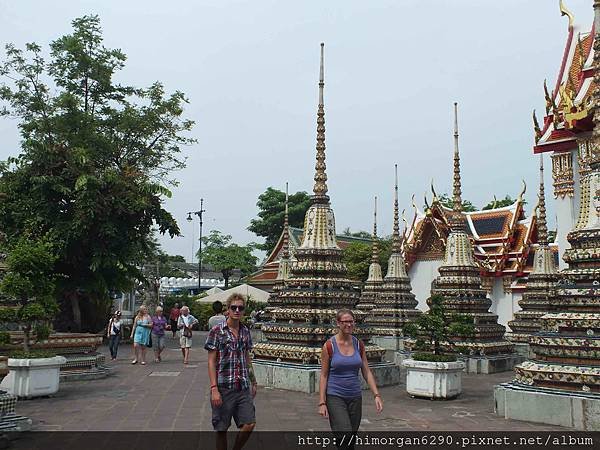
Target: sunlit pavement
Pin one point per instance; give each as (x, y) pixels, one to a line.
(172, 396)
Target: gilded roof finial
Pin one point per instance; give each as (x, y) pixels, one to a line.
(565, 12)
(375, 255)
(541, 223)
(522, 193)
(595, 159)
(536, 128)
(286, 227)
(548, 98)
(320, 187)
(435, 197)
(396, 244)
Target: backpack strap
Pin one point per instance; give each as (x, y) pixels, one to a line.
(329, 347)
(360, 347)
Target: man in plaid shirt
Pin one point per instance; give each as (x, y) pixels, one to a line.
(232, 381)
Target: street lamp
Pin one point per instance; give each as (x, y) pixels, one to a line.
(189, 219)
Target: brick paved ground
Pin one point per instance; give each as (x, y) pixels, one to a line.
(135, 398)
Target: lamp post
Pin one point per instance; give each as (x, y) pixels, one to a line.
(189, 218)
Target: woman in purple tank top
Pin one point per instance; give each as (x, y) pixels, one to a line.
(340, 396)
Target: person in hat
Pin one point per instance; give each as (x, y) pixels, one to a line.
(113, 333)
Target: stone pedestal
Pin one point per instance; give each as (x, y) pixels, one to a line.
(9, 420)
(305, 378)
(434, 380)
(394, 343)
(552, 406)
(489, 364)
(33, 377)
(523, 350)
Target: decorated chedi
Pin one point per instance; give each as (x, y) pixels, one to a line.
(396, 304)
(283, 271)
(374, 283)
(539, 296)
(459, 284)
(303, 314)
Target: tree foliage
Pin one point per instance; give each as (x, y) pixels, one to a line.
(360, 234)
(357, 257)
(448, 202)
(28, 286)
(506, 201)
(271, 211)
(434, 329)
(225, 256)
(95, 163)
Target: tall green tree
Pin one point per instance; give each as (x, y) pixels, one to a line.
(448, 202)
(226, 256)
(271, 210)
(506, 201)
(95, 163)
(357, 257)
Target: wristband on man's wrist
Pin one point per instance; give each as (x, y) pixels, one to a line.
(322, 404)
(213, 386)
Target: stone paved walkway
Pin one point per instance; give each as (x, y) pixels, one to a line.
(170, 396)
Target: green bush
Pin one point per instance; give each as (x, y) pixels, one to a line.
(31, 354)
(202, 312)
(4, 338)
(42, 332)
(424, 356)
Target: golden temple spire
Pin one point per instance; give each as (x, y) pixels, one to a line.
(285, 253)
(375, 255)
(541, 222)
(396, 244)
(320, 187)
(456, 191)
(565, 12)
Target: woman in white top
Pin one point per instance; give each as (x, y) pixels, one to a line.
(113, 333)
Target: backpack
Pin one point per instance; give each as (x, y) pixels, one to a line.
(329, 347)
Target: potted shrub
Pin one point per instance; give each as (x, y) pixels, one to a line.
(28, 301)
(433, 370)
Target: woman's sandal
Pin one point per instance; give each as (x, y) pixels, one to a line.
(134, 361)
(143, 363)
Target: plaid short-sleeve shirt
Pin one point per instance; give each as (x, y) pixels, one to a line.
(232, 364)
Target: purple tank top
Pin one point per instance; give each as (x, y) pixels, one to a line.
(343, 378)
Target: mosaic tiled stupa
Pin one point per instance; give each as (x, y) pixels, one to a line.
(396, 304)
(459, 282)
(560, 385)
(539, 296)
(372, 288)
(303, 316)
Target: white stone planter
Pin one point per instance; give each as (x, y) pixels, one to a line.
(33, 377)
(433, 379)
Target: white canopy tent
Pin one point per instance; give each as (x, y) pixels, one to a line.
(256, 295)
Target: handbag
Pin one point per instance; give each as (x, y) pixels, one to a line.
(149, 344)
(187, 332)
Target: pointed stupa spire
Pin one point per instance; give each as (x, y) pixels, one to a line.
(595, 160)
(541, 221)
(320, 186)
(456, 190)
(396, 244)
(284, 261)
(375, 254)
(286, 227)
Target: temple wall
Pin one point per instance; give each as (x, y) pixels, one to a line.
(504, 304)
(421, 274)
(567, 210)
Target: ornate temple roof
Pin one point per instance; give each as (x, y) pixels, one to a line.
(504, 238)
(267, 272)
(568, 104)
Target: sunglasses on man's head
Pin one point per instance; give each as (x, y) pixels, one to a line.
(239, 308)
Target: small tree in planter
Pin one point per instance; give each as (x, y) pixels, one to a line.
(433, 371)
(28, 289)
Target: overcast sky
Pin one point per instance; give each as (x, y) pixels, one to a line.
(393, 68)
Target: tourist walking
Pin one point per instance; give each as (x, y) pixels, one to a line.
(185, 323)
(159, 325)
(232, 380)
(340, 395)
(113, 333)
(218, 316)
(142, 324)
(174, 317)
